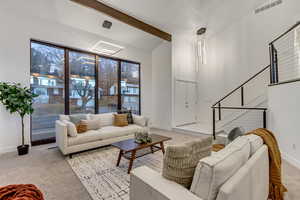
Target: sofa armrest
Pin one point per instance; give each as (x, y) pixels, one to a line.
(61, 134)
(146, 183)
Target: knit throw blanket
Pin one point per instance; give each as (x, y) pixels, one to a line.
(20, 192)
(276, 188)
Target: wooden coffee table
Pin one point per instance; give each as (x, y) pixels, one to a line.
(131, 150)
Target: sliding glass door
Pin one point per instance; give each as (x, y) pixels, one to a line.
(70, 81)
(46, 80)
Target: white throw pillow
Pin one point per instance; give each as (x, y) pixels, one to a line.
(71, 128)
(92, 124)
(213, 171)
(139, 120)
(106, 119)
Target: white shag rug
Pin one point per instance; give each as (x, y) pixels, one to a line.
(103, 180)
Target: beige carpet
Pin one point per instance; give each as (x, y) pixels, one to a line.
(103, 180)
(50, 171)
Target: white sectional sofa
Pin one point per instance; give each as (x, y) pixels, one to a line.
(106, 135)
(238, 172)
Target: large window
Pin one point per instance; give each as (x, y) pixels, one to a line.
(69, 81)
(108, 85)
(82, 83)
(47, 80)
(130, 86)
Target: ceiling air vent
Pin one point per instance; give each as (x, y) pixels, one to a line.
(106, 24)
(267, 5)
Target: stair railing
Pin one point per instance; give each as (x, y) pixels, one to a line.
(218, 105)
(274, 77)
(287, 59)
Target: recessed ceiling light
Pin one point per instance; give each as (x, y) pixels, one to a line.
(106, 48)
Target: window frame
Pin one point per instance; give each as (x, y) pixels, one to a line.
(139, 83)
(67, 51)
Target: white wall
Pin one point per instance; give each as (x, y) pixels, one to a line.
(283, 119)
(183, 55)
(183, 70)
(238, 48)
(161, 86)
(15, 34)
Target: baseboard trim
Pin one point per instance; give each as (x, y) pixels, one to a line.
(189, 132)
(161, 128)
(291, 160)
(8, 149)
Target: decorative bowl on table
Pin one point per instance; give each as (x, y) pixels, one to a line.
(142, 137)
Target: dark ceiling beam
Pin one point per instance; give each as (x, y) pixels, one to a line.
(114, 13)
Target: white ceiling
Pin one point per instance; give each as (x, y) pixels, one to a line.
(74, 15)
(169, 15)
(186, 15)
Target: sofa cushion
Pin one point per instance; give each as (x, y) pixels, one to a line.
(255, 141)
(213, 171)
(251, 181)
(89, 136)
(108, 132)
(104, 133)
(71, 128)
(180, 161)
(92, 124)
(106, 119)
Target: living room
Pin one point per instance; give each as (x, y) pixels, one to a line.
(116, 88)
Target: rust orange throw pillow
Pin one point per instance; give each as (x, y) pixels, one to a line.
(82, 127)
(120, 120)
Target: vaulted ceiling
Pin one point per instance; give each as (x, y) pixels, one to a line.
(168, 15)
(186, 15)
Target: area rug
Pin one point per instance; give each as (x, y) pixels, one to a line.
(97, 171)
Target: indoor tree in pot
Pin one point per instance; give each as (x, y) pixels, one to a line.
(17, 99)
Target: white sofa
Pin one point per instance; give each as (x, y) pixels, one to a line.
(238, 172)
(92, 139)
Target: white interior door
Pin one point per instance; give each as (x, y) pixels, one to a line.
(185, 103)
(191, 103)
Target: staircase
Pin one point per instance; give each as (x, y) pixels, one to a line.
(284, 62)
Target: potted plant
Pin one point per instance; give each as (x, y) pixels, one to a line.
(17, 99)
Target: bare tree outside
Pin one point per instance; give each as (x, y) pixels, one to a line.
(85, 91)
(108, 85)
(82, 82)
